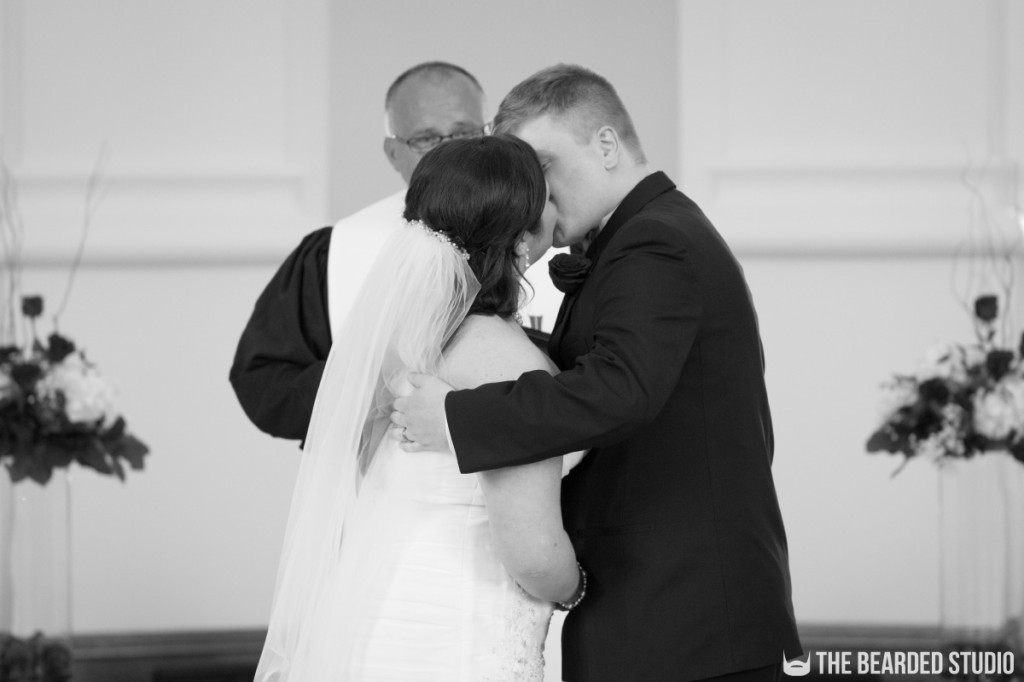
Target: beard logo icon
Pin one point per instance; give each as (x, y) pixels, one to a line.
(796, 667)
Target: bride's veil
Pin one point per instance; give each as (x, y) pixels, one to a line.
(415, 297)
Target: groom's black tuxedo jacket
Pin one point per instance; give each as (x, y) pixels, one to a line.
(673, 512)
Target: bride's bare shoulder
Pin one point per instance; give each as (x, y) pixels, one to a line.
(487, 348)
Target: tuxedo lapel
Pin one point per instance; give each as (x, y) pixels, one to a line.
(653, 185)
(561, 324)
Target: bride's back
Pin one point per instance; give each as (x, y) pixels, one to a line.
(443, 607)
(487, 348)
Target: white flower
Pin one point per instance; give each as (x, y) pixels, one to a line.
(88, 398)
(949, 361)
(973, 355)
(946, 441)
(1001, 410)
(930, 448)
(897, 394)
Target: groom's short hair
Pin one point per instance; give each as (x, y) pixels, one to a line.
(571, 91)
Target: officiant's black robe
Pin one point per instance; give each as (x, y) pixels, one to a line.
(283, 349)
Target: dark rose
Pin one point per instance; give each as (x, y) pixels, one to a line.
(986, 308)
(568, 271)
(60, 347)
(10, 352)
(1017, 450)
(927, 421)
(998, 363)
(26, 374)
(934, 391)
(32, 306)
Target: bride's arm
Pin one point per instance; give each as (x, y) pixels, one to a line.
(523, 506)
(523, 502)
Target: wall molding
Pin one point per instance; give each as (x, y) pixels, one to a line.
(134, 657)
(221, 654)
(233, 167)
(837, 185)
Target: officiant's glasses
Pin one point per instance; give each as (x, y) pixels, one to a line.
(424, 143)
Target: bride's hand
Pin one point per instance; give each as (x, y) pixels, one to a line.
(419, 418)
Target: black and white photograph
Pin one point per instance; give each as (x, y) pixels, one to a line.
(546, 341)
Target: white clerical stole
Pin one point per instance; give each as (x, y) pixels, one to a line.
(356, 242)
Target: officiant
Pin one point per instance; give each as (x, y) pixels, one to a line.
(282, 351)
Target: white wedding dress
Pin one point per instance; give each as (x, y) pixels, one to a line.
(388, 573)
(450, 612)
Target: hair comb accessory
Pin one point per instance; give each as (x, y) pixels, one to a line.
(443, 236)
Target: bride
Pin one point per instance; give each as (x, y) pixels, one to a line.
(395, 565)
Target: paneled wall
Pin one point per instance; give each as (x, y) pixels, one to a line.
(208, 121)
(845, 149)
(855, 154)
(852, 128)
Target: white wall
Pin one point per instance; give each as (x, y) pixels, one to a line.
(836, 146)
(826, 140)
(210, 120)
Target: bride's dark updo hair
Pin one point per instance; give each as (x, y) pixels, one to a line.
(483, 193)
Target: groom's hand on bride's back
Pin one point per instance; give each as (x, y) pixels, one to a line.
(418, 418)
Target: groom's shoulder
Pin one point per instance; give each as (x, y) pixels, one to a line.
(672, 230)
(652, 229)
(671, 218)
(673, 207)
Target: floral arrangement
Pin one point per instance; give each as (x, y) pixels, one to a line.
(964, 401)
(55, 407)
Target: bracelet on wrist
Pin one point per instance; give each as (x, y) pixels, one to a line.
(581, 592)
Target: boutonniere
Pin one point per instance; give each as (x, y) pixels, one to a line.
(568, 270)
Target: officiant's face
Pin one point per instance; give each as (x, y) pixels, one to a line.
(430, 105)
(577, 179)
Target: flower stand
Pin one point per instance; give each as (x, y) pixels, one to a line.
(982, 553)
(35, 579)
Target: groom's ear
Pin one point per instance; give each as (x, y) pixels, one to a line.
(610, 147)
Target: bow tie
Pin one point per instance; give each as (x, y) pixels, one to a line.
(583, 245)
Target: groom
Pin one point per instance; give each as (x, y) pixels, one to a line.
(673, 512)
